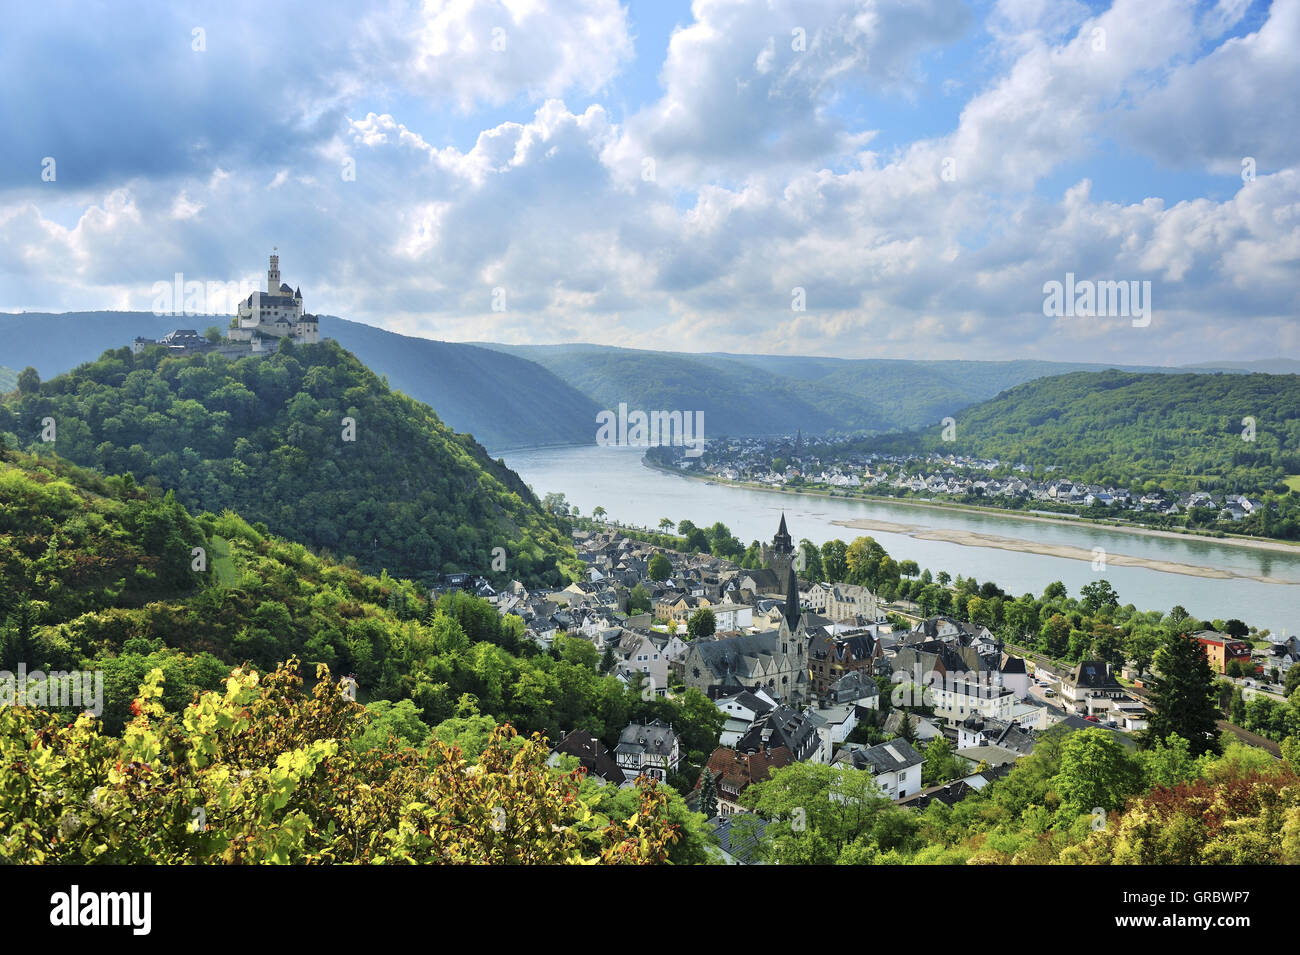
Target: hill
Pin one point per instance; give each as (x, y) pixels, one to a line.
(97, 575)
(8, 379)
(307, 441)
(743, 395)
(1178, 431)
(504, 401)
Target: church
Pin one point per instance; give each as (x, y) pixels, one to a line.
(774, 660)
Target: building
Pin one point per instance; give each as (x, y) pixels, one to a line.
(895, 766)
(648, 749)
(263, 320)
(1222, 649)
(591, 755)
(1090, 685)
(275, 314)
(734, 772)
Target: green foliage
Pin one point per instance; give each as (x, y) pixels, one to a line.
(264, 437)
(702, 623)
(1184, 698)
(263, 772)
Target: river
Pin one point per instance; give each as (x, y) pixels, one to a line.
(631, 492)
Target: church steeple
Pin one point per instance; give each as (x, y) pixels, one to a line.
(792, 601)
(783, 543)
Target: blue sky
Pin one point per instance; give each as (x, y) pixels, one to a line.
(668, 174)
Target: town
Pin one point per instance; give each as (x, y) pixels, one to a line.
(807, 670)
(820, 464)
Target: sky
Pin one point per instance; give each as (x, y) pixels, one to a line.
(852, 178)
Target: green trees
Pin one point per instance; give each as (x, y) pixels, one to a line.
(702, 623)
(1184, 697)
(1095, 772)
(309, 442)
(264, 772)
(660, 568)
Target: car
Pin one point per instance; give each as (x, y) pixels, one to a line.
(1049, 693)
(1092, 719)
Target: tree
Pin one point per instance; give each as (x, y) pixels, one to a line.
(638, 600)
(660, 568)
(702, 623)
(1184, 696)
(1097, 596)
(29, 382)
(708, 794)
(1096, 773)
(665, 523)
(940, 765)
(835, 566)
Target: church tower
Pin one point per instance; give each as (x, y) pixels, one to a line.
(780, 556)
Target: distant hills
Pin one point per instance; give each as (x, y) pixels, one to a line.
(269, 437)
(8, 379)
(1180, 431)
(511, 396)
(766, 394)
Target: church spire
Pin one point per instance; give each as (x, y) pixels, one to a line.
(792, 601)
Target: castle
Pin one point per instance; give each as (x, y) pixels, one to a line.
(263, 320)
(276, 314)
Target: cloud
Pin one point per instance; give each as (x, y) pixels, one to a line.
(761, 183)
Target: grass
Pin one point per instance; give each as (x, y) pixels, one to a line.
(1293, 482)
(222, 563)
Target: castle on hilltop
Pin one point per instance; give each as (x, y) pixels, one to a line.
(263, 320)
(276, 314)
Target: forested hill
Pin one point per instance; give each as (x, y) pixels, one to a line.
(503, 400)
(1181, 432)
(267, 436)
(778, 394)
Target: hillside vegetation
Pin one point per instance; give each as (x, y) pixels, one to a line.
(1180, 432)
(98, 573)
(504, 401)
(307, 441)
(775, 394)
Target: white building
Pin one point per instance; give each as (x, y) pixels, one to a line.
(274, 314)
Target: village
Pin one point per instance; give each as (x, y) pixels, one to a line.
(798, 669)
(811, 463)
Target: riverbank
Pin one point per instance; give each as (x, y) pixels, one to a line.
(976, 539)
(1230, 540)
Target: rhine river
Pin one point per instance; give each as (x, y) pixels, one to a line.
(631, 492)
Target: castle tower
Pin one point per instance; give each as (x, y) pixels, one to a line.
(273, 276)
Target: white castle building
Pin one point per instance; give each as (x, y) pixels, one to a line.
(276, 313)
(263, 320)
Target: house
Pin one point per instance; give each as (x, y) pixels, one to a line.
(592, 755)
(648, 749)
(978, 730)
(831, 656)
(734, 772)
(1089, 684)
(1222, 649)
(784, 727)
(741, 709)
(650, 654)
(895, 766)
(740, 834)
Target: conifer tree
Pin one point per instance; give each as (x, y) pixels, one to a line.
(1183, 697)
